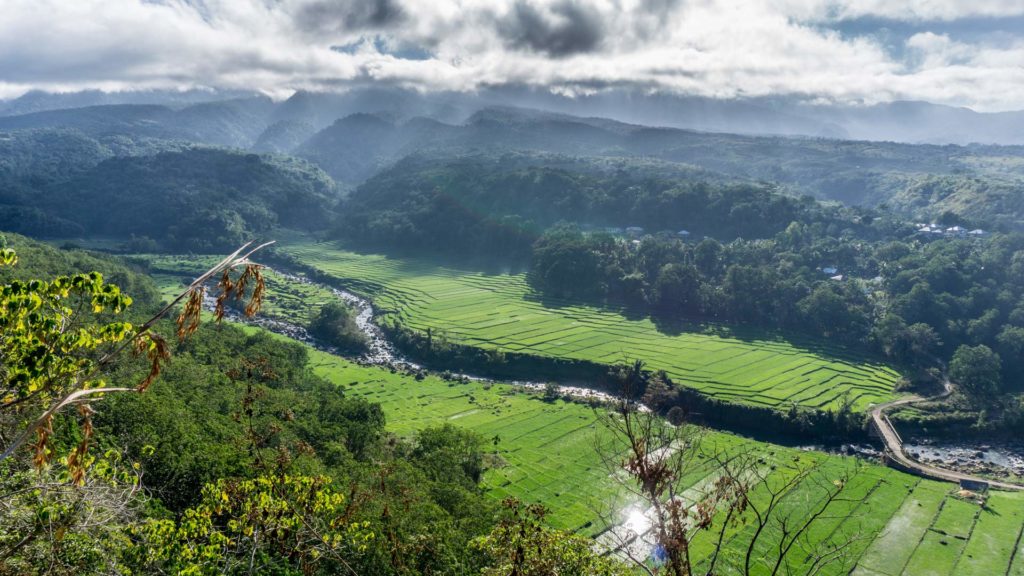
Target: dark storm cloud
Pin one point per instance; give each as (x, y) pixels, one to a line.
(334, 16)
(560, 29)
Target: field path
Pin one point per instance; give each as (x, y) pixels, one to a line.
(894, 444)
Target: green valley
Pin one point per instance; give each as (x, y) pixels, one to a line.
(500, 311)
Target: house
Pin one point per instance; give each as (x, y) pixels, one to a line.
(683, 233)
(977, 233)
(634, 230)
(837, 278)
(613, 230)
(830, 270)
(956, 230)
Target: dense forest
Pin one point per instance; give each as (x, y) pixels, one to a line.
(167, 195)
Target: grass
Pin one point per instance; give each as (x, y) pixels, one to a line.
(542, 451)
(500, 311)
(992, 544)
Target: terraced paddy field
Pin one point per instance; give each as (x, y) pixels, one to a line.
(295, 302)
(500, 311)
(899, 525)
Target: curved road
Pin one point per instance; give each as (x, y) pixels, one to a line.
(894, 444)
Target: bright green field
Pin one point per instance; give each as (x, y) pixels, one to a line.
(546, 454)
(500, 311)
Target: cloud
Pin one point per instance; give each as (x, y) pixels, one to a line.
(899, 10)
(558, 29)
(327, 16)
(718, 48)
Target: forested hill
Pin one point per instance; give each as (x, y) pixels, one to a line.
(923, 181)
(499, 204)
(236, 122)
(197, 199)
(61, 183)
(39, 260)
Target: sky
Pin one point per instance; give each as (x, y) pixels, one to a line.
(957, 52)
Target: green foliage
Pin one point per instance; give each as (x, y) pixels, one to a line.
(335, 324)
(497, 206)
(976, 370)
(187, 198)
(243, 449)
(271, 524)
(198, 199)
(48, 351)
(37, 260)
(450, 455)
(49, 525)
(522, 544)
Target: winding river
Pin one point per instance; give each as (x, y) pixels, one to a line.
(380, 350)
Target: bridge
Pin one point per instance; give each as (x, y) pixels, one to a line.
(898, 458)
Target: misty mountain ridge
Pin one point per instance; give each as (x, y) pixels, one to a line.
(899, 121)
(976, 181)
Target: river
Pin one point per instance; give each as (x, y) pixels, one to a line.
(380, 350)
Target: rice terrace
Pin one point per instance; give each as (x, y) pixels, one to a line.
(904, 526)
(497, 312)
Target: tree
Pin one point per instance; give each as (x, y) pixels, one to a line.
(450, 454)
(976, 370)
(775, 532)
(565, 263)
(277, 523)
(677, 289)
(830, 313)
(1011, 351)
(335, 325)
(522, 545)
(914, 345)
(552, 392)
(707, 256)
